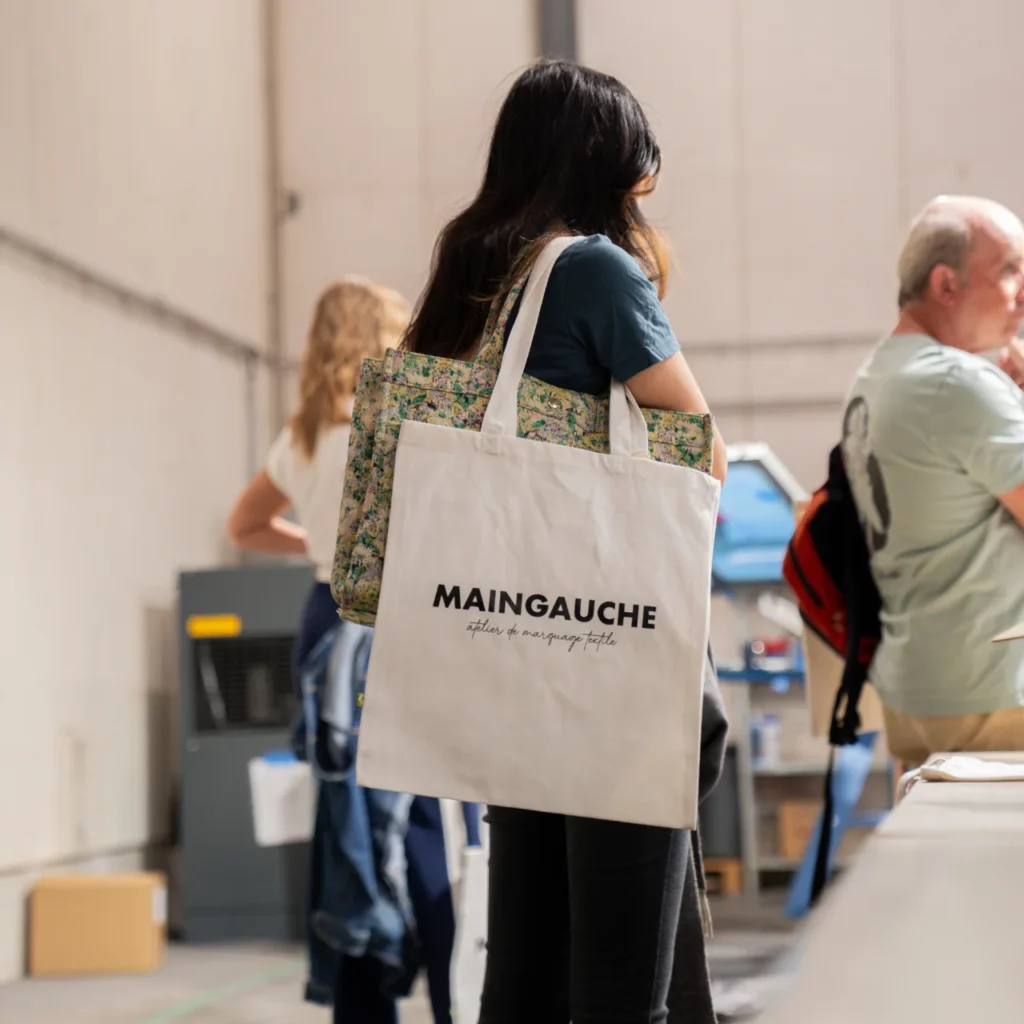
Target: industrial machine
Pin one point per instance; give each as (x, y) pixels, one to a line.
(755, 518)
(238, 701)
(755, 523)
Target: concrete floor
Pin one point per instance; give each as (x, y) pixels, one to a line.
(253, 984)
(262, 984)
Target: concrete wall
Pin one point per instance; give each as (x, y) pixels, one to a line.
(799, 139)
(133, 142)
(386, 110)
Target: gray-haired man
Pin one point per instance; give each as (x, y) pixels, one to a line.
(933, 439)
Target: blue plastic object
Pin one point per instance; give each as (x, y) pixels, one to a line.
(776, 680)
(850, 772)
(279, 757)
(755, 523)
(471, 817)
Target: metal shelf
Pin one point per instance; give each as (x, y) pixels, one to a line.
(777, 864)
(787, 864)
(760, 676)
(796, 769)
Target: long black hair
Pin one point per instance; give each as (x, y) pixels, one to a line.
(572, 150)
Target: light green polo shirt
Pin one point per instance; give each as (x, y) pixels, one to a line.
(931, 437)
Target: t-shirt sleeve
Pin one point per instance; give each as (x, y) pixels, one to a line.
(984, 417)
(611, 305)
(281, 462)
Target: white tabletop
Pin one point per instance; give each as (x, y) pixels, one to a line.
(929, 923)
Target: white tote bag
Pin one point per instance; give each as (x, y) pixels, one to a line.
(469, 952)
(544, 612)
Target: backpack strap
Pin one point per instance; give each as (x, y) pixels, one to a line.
(823, 855)
(860, 598)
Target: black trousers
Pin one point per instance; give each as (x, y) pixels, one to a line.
(582, 919)
(597, 922)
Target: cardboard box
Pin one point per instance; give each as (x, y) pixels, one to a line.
(97, 924)
(797, 819)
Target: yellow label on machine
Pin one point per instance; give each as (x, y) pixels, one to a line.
(205, 627)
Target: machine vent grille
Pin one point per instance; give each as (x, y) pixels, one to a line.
(244, 683)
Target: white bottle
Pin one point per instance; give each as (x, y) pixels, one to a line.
(771, 741)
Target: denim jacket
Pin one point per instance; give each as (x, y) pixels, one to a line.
(359, 904)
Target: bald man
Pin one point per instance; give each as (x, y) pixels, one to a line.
(933, 439)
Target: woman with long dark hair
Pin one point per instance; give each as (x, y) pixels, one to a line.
(583, 913)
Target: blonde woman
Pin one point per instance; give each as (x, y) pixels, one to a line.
(305, 469)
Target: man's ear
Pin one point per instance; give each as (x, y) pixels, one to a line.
(944, 284)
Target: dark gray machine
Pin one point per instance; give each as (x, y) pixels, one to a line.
(236, 628)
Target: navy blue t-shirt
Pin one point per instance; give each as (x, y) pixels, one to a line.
(601, 318)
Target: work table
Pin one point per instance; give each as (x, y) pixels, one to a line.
(928, 926)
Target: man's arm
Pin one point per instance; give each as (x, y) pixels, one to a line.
(982, 429)
(1014, 503)
(1011, 362)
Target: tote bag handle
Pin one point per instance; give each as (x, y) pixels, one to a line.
(627, 428)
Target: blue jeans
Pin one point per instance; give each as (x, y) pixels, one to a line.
(318, 615)
(358, 998)
(358, 895)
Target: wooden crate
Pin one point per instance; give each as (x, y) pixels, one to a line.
(724, 875)
(797, 819)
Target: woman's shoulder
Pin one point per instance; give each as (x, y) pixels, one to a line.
(599, 253)
(333, 441)
(288, 465)
(283, 444)
(597, 264)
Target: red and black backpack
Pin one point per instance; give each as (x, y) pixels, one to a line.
(828, 568)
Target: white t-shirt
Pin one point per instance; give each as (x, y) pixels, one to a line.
(314, 487)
